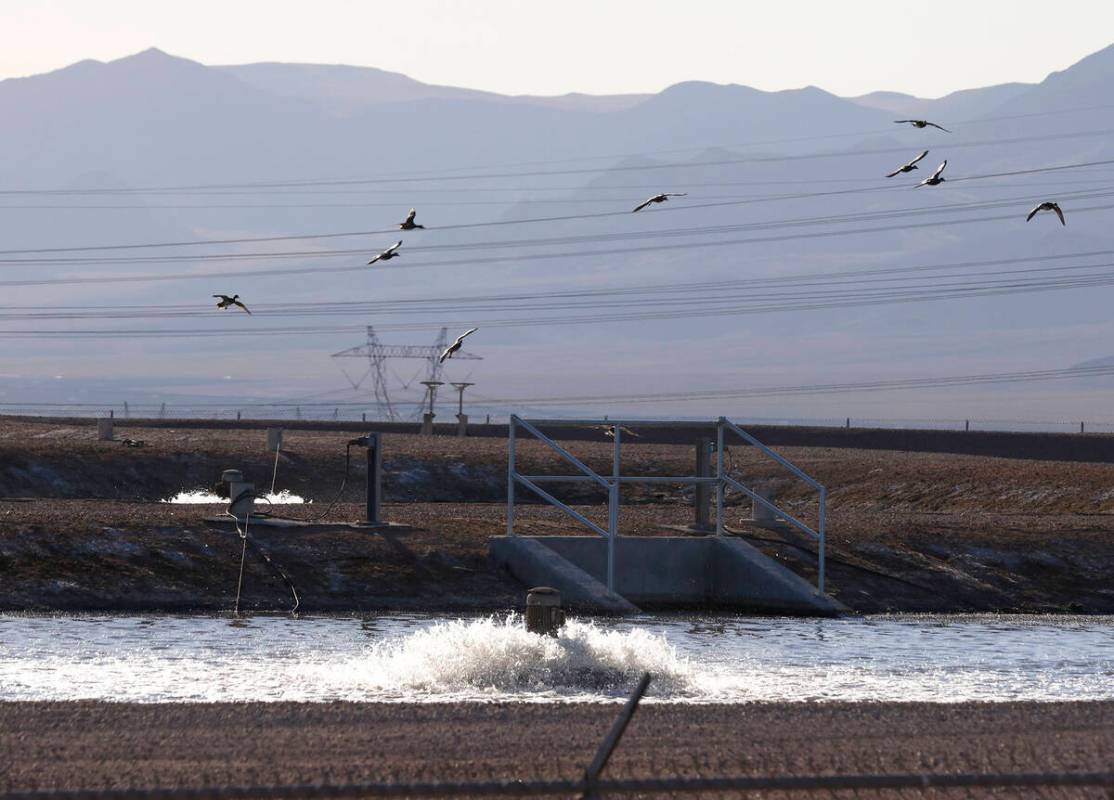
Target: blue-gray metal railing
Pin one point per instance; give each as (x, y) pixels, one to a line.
(614, 481)
(724, 425)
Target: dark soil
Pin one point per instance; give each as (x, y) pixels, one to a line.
(81, 528)
(87, 745)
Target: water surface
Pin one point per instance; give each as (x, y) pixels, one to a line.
(424, 658)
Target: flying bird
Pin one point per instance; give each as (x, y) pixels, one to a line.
(935, 179)
(224, 301)
(387, 254)
(609, 431)
(660, 198)
(912, 165)
(452, 348)
(921, 123)
(1047, 205)
(409, 224)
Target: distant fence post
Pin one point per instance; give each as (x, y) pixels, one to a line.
(1081, 427)
(848, 423)
(966, 424)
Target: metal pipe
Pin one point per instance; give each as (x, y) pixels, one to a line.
(789, 465)
(719, 477)
(630, 423)
(692, 479)
(510, 474)
(613, 506)
(822, 526)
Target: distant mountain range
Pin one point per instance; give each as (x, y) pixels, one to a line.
(745, 157)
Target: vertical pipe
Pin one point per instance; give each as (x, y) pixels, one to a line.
(613, 506)
(719, 476)
(823, 545)
(510, 474)
(374, 477)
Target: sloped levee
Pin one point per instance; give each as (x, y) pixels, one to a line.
(534, 564)
(661, 572)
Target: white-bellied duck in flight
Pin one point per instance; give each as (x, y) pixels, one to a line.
(659, 198)
(387, 254)
(1047, 205)
(224, 301)
(912, 165)
(409, 224)
(452, 348)
(921, 123)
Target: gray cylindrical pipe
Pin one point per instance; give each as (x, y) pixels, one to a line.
(544, 614)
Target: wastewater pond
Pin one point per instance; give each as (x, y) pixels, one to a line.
(428, 658)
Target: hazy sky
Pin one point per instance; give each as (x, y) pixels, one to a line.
(597, 46)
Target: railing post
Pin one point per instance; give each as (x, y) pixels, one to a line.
(613, 506)
(719, 477)
(820, 529)
(510, 474)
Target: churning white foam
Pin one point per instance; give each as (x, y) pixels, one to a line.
(199, 496)
(497, 657)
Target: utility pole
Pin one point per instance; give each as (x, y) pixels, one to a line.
(427, 417)
(461, 419)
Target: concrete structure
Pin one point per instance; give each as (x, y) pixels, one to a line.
(534, 564)
(661, 572)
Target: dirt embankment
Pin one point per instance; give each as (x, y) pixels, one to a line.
(81, 527)
(90, 745)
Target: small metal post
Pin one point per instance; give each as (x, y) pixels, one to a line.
(111, 413)
(363, 417)
(127, 414)
(848, 425)
(821, 530)
(613, 506)
(374, 478)
(719, 476)
(1081, 427)
(966, 425)
(510, 475)
(237, 415)
(702, 492)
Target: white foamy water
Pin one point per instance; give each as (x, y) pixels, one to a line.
(199, 496)
(422, 658)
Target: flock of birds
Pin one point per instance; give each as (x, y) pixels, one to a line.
(225, 302)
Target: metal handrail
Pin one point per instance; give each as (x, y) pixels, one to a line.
(726, 480)
(722, 481)
(565, 454)
(529, 484)
(755, 496)
(789, 465)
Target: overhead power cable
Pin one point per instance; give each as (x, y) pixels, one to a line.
(621, 168)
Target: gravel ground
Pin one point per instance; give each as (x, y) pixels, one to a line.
(93, 745)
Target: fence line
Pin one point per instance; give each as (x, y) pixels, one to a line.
(258, 410)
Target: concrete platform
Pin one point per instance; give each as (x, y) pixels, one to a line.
(662, 572)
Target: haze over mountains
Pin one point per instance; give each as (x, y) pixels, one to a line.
(152, 121)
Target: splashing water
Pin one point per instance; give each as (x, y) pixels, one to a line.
(420, 657)
(199, 496)
(501, 656)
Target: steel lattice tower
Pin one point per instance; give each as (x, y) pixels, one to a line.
(377, 354)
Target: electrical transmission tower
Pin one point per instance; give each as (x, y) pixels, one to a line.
(377, 354)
